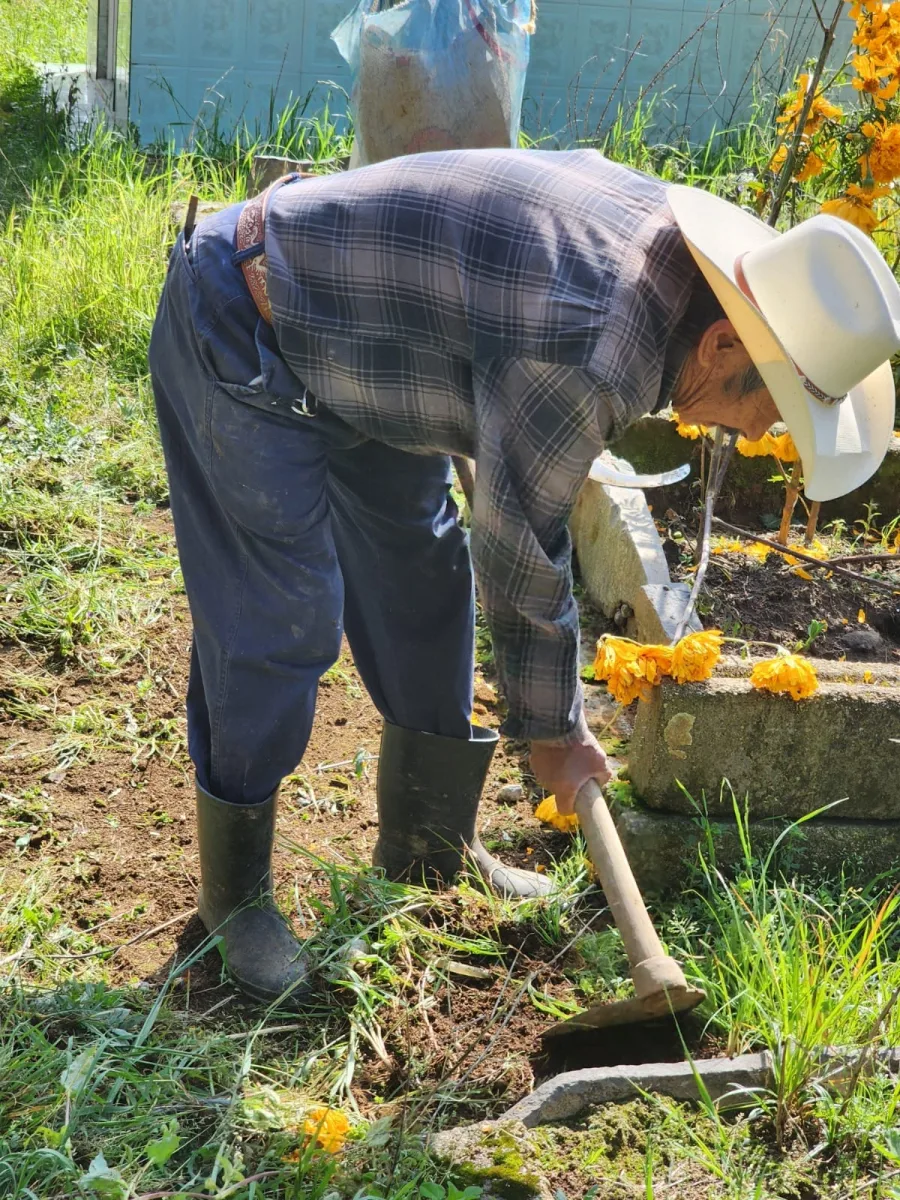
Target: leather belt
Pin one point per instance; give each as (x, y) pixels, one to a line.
(250, 245)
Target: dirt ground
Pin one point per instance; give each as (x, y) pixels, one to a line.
(116, 833)
(769, 602)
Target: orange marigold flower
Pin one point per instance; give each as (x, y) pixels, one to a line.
(870, 79)
(784, 449)
(547, 812)
(778, 159)
(860, 9)
(788, 674)
(328, 1127)
(882, 160)
(812, 166)
(821, 109)
(630, 670)
(759, 449)
(690, 431)
(695, 656)
(855, 206)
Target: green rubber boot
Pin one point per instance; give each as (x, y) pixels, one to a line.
(261, 954)
(429, 789)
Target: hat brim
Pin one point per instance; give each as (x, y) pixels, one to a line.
(840, 446)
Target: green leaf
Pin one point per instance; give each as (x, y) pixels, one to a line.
(891, 1148)
(103, 1180)
(379, 1132)
(77, 1074)
(160, 1151)
(432, 1191)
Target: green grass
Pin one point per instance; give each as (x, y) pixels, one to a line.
(44, 30)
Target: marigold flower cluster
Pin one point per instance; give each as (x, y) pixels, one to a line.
(788, 674)
(876, 77)
(809, 163)
(781, 447)
(631, 670)
(690, 431)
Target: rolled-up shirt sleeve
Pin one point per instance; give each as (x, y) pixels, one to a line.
(538, 428)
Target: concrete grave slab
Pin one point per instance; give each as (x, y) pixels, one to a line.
(619, 550)
(788, 758)
(662, 847)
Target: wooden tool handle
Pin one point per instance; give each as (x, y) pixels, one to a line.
(651, 968)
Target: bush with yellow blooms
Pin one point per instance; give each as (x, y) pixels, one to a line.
(855, 154)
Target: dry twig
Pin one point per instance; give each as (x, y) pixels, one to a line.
(822, 563)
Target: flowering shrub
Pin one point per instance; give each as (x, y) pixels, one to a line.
(856, 154)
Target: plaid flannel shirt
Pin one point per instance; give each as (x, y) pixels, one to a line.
(517, 307)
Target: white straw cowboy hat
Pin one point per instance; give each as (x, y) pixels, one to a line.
(818, 311)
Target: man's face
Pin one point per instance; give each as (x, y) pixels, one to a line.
(719, 385)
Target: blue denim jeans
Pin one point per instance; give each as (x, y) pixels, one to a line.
(292, 530)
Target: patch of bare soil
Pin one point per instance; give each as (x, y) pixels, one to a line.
(115, 832)
(768, 601)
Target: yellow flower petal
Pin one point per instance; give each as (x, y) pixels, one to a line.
(861, 616)
(547, 812)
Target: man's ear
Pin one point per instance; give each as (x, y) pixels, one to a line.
(720, 338)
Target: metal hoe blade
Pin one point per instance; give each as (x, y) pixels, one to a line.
(629, 1012)
(602, 472)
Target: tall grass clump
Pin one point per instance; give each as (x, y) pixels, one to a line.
(796, 967)
(86, 259)
(44, 30)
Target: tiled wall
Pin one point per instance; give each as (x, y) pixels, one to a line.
(587, 55)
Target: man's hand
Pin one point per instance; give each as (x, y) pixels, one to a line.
(563, 769)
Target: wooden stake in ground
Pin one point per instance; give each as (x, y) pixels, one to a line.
(790, 503)
(813, 522)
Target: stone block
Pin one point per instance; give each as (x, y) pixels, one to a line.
(663, 847)
(657, 610)
(787, 758)
(568, 1096)
(618, 547)
(496, 1156)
